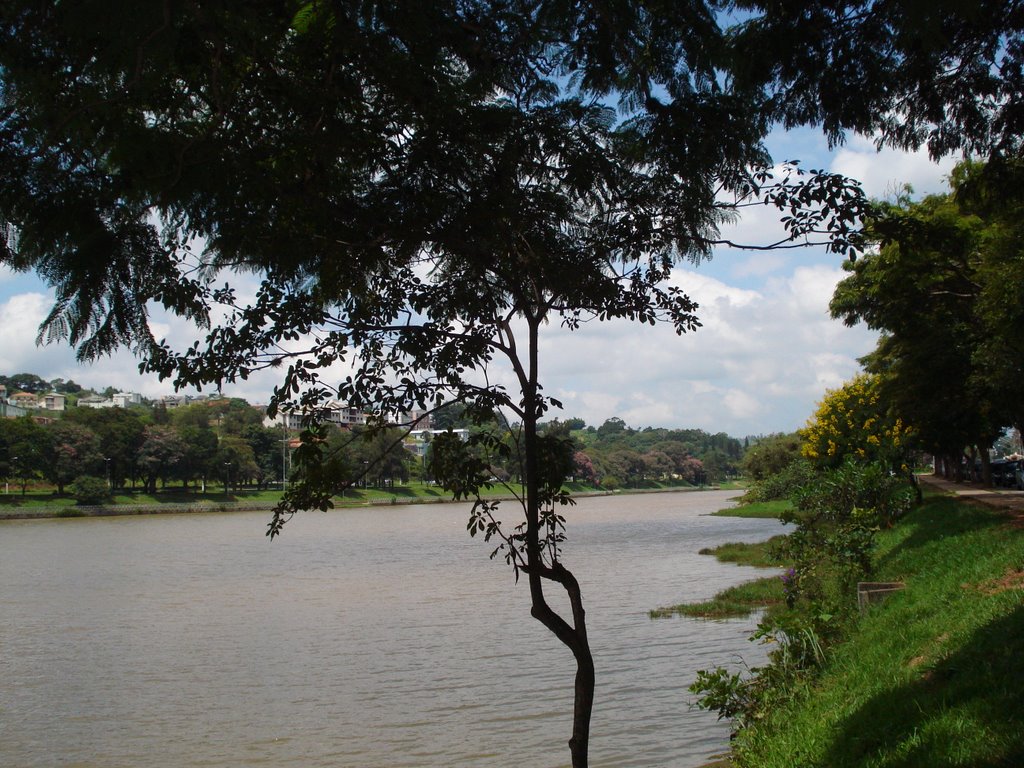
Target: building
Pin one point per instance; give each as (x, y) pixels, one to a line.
(11, 411)
(118, 400)
(24, 400)
(174, 401)
(95, 401)
(419, 440)
(125, 399)
(332, 412)
(54, 401)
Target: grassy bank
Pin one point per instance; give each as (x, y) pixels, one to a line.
(929, 678)
(759, 509)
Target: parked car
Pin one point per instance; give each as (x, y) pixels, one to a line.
(1006, 473)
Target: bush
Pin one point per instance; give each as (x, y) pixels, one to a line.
(838, 512)
(87, 489)
(784, 484)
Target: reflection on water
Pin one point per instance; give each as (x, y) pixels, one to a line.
(361, 638)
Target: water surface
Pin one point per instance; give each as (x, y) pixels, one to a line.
(363, 638)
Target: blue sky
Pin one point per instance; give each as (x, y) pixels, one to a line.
(765, 355)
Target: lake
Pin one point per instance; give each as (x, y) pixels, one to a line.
(361, 638)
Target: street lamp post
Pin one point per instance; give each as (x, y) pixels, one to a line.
(110, 482)
(227, 476)
(7, 485)
(284, 458)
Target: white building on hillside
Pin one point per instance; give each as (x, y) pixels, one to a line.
(336, 413)
(419, 440)
(125, 399)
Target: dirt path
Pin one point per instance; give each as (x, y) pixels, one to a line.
(1009, 501)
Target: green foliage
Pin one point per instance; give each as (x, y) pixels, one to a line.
(771, 455)
(420, 188)
(945, 288)
(728, 694)
(837, 516)
(758, 509)
(782, 485)
(72, 450)
(854, 422)
(945, 75)
(758, 554)
(734, 602)
(87, 489)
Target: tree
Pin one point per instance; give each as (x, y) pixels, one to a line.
(944, 74)
(89, 489)
(200, 443)
(235, 459)
(426, 184)
(945, 288)
(770, 455)
(25, 382)
(267, 447)
(120, 432)
(855, 424)
(236, 416)
(583, 467)
(25, 443)
(161, 452)
(71, 450)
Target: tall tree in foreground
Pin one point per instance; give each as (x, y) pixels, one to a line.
(418, 187)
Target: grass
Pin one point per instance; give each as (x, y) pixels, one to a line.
(734, 602)
(931, 677)
(734, 485)
(759, 509)
(44, 499)
(758, 554)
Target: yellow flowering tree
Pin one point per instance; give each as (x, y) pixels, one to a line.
(853, 422)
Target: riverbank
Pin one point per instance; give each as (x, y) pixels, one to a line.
(930, 677)
(11, 509)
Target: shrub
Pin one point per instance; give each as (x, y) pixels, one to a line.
(87, 489)
(838, 512)
(783, 484)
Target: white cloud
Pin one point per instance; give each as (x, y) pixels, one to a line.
(759, 363)
(884, 172)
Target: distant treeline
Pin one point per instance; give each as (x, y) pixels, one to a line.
(225, 442)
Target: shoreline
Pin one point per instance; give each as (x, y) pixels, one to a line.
(126, 510)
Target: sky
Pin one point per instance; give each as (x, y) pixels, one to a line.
(764, 357)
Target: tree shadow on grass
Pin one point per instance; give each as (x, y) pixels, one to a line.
(403, 491)
(940, 518)
(930, 723)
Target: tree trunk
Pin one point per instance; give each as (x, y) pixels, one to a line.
(573, 636)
